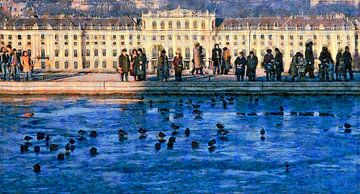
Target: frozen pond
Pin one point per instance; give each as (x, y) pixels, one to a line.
(321, 156)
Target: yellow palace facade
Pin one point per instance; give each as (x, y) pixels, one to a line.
(94, 44)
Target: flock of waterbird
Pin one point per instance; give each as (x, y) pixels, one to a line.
(161, 136)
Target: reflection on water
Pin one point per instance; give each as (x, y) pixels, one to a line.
(321, 156)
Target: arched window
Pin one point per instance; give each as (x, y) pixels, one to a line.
(162, 25)
(154, 25)
(195, 25)
(170, 25)
(187, 53)
(187, 25)
(171, 53)
(203, 25)
(178, 25)
(154, 53)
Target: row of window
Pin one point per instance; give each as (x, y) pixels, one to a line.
(178, 25)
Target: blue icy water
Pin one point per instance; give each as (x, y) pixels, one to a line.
(322, 157)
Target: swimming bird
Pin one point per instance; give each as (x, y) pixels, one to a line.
(54, 147)
(197, 117)
(72, 141)
(93, 134)
(196, 106)
(262, 138)
(82, 132)
(347, 126)
(223, 132)
(122, 134)
(212, 142)
(187, 132)
(27, 138)
(27, 115)
(61, 156)
(287, 167)
(37, 168)
(161, 137)
(195, 144)
(262, 131)
(281, 108)
(24, 148)
(157, 146)
(67, 153)
(40, 135)
(93, 151)
(196, 111)
(174, 126)
(220, 125)
(172, 139)
(142, 132)
(47, 138)
(68, 146)
(170, 145)
(37, 149)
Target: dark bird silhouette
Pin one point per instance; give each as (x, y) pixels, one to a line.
(93, 134)
(40, 135)
(282, 109)
(161, 135)
(174, 126)
(262, 138)
(37, 168)
(170, 145)
(67, 152)
(61, 156)
(27, 138)
(223, 132)
(172, 139)
(81, 138)
(287, 167)
(93, 151)
(54, 147)
(68, 146)
(47, 138)
(187, 132)
(195, 144)
(72, 141)
(212, 142)
(24, 148)
(82, 132)
(37, 149)
(347, 130)
(240, 114)
(220, 126)
(347, 126)
(157, 146)
(211, 149)
(196, 106)
(262, 131)
(198, 117)
(122, 134)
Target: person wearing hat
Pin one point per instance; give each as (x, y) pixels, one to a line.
(178, 65)
(310, 61)
(124, 65)
(252, 62)
(163, 67)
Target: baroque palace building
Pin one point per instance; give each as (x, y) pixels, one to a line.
(94, 44)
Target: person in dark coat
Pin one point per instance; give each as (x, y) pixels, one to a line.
(141, 68)
(252, 62)
(240, 65)
(216, 58)
(4, 64)
(338, 64)
(267, 63)
(134, 62)
(325, 68)
(310, 61)
(178, 66)
(163, 67)
(279, 64)
(348, 63)
(124, 65)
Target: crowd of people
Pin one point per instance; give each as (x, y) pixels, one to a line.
(13, 63)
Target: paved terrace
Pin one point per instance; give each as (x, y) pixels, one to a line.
(102, 83)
